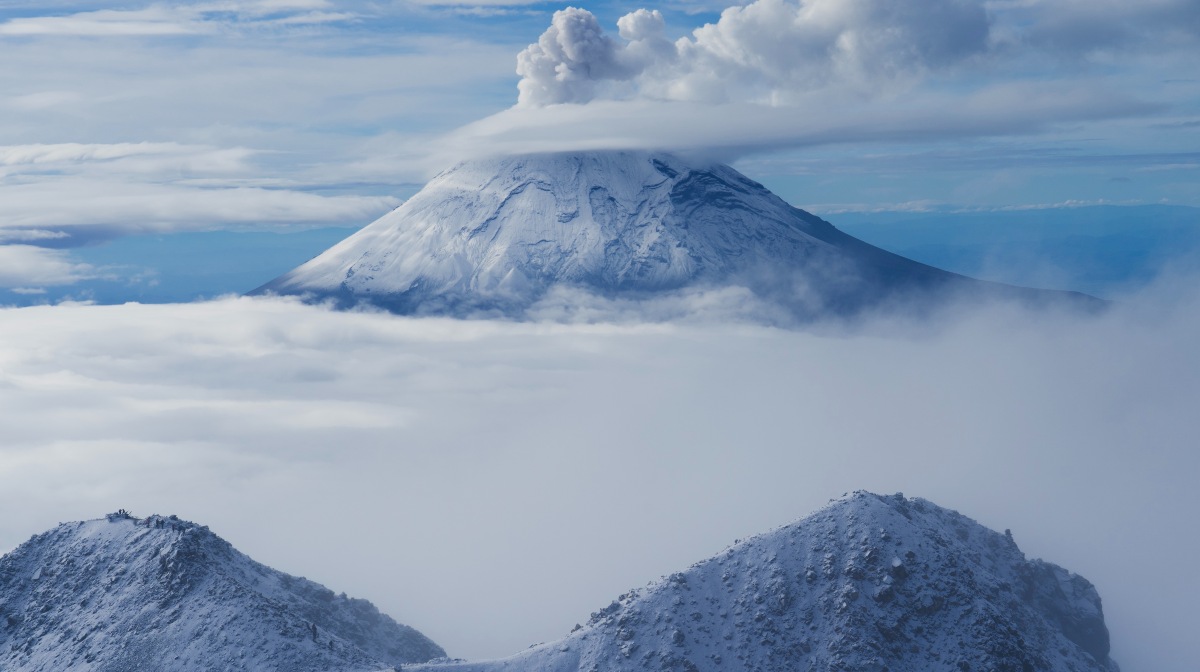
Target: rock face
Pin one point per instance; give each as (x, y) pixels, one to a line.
(494, 236)
(869, 584)
(139, 595)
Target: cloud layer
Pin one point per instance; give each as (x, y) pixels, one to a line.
(70, 194)
(493, 483)
(183, 116)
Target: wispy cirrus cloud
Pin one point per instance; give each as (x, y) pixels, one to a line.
(231, 125)
(162, 156)
(175, 19)
(87, 208)
(152, 21)
(68, 193)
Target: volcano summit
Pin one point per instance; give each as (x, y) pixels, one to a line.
(496, 236)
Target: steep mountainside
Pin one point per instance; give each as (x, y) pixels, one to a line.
(868, 584)
(139, 595)
(493, 236)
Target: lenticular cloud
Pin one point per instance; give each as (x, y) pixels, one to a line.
(759, 52)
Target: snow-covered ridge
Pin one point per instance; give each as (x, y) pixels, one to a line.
(159, 593)
(870, 583)
(495, 235)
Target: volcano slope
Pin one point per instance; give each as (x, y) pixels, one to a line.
(869, 584)
(494, 237)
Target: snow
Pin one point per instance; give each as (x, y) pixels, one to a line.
(870, 583)
(820, 595)
(493, 236)
(159, 593)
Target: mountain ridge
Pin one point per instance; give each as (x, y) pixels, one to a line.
(870, 583)
(160, 593)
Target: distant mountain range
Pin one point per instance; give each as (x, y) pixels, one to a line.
(492, 237)
(869, 583)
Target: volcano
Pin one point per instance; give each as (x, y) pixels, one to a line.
(493, 237)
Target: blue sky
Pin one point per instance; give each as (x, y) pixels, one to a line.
(158, 116)
(124, 118)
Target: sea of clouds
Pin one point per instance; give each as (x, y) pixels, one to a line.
(492, 483)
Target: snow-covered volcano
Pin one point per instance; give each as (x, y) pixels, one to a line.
(869, 584)
(494, 236)
(123, 594)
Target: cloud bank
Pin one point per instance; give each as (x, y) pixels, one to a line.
(493, 483)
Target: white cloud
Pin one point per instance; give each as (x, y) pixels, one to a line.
(492, 483)
(574, 55)
(771, 51)
(483, 5)
(314, 18)
(105, 121)
(42, 100)
(113, 206)
(49, 189)
(268, 6)
(181, 157)
(764, 51)
(846, 66)
(165, 20)
(24, 267)
(153, 21)
(730, 129)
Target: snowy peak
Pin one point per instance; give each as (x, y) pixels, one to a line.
(869, 583)
(496, 235)
(160, 593)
